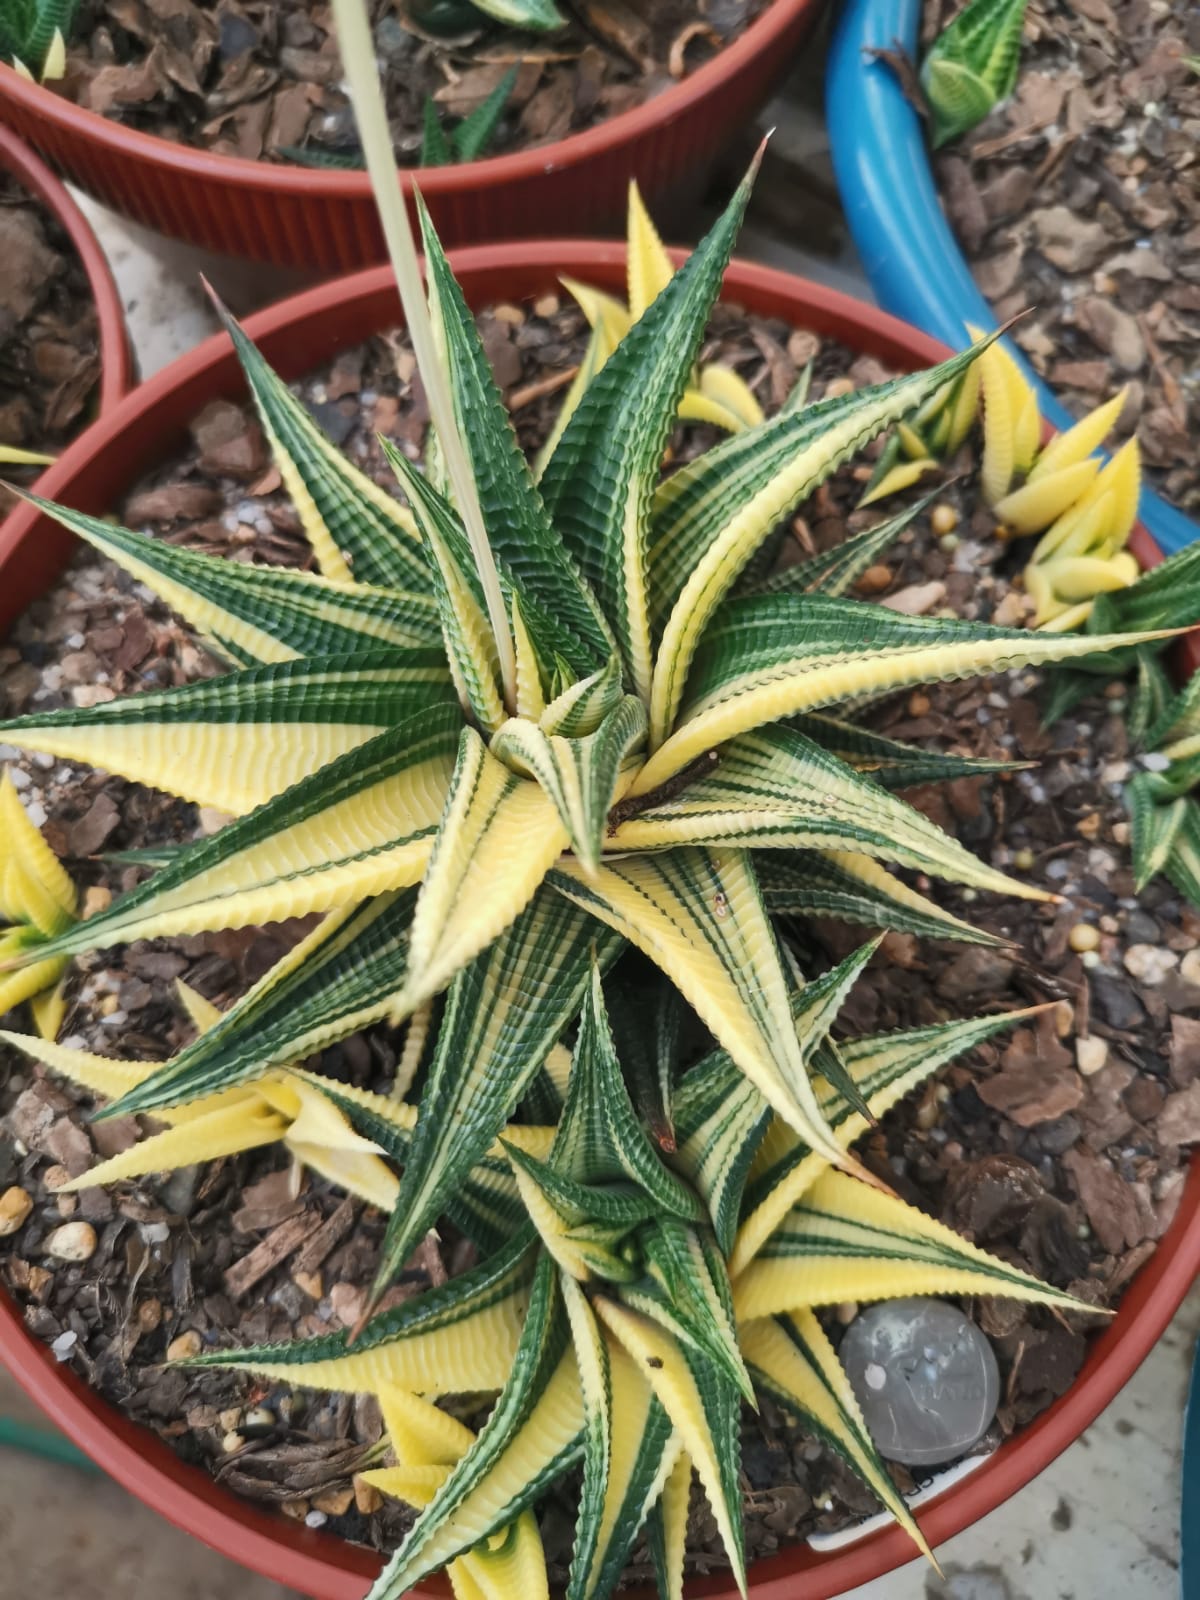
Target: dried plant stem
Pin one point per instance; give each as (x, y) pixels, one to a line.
(357, 49)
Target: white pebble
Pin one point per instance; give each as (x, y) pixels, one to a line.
(64, 1344)
(315, 1519)
(1155, 761)
(875, 1375)
(1150, 963)
(154, 1232)
(20, 779)
(36, 812)
(74, 1241)
(1189, 968)
(1090, 1054)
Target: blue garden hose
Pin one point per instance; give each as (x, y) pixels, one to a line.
(910, 255)
(45, 1442)
(1189, 1512)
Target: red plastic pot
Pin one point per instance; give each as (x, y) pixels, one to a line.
(297, 335)
(325, 220)
(36, 178)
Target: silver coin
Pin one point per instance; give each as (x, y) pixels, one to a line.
(925, 1377)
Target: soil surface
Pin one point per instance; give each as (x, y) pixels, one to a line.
(49, 337)
(259, 80)
(1080, 198)
(1059, 1146)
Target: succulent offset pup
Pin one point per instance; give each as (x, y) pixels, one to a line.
(504, 735)
(972, 66)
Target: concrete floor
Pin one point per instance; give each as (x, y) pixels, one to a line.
(1101, 1523)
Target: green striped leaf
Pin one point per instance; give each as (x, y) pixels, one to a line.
(496, 840)
(668, 1529)
(519, 529)
(647, 1016)
(715, 512)
(502, 1017)
(336, 981)
(834, 571)
(705, 1408)
(777, 789)
(722, 1118)
(629, 1450)
(597, 485)
(466, 631)
(600, 1139)
(891, 762)
(234, 742)
(534, 1433)
(255, 613)
(462, 1336)
(360, 826)
(486, 1206)
(792, 1360)
(580, 775)
(1156, 824)
(770, 656)
(1183, 864)
(885, 1068)
(685, 1289)
(1178, 724)
(699, 915)
(847, 1241)
(853, 888)
(356, 529)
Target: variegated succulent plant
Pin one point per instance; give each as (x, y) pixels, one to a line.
(510, 732)
(972, 66)
(1084, 509)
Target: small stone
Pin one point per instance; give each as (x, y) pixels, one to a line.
(925, 1377)
(1090, 1054)
(347, 1302)
(1150, 963)
(1189, 968)
(296, 1509)
(547, 305)
(367, 1498)
(1114, 330)
(1024, 859)
(15, 1206)
(185, 1347)
(334, 1502)
(874, 580)
(149, 1315)
(232, 1443)
(229, 1418)
(74, 1241)
(916, 600)
(96, 898)
(1067, 241)
(1179, 1121)
(310, 1283)
(315, 1519)
(943, 519)
(1083, 936)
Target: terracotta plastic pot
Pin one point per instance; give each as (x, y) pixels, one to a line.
(36, 178)
(325, 220)
(297, 335)
(887, 188)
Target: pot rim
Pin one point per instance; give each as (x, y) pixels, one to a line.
(885, 179)
(32, 173)
(317, 184)
(318, 1564)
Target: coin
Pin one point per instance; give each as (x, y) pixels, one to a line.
(925, 1377)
